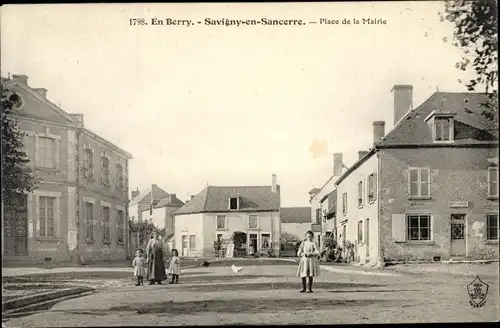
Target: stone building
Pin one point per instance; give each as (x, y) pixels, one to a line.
(80, 206)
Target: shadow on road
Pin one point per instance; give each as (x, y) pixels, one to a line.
(234, 306)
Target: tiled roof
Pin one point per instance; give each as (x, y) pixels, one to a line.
(158, 195)
(171, 200)
(295, 214)
(216, 199)
(470, 125)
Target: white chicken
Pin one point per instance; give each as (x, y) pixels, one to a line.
(236, 269)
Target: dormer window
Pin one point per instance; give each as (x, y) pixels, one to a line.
(442, 126)
(234, 203)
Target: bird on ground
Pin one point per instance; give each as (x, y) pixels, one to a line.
(236, 269)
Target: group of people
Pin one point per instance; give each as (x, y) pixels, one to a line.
(152, 267)
(157, 251)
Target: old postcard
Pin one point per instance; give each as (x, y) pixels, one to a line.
(249, 163)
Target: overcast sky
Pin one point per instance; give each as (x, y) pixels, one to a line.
(231, 105)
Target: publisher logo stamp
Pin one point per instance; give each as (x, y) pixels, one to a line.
(477, 292)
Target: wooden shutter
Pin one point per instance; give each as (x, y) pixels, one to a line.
(434, 219)
(399, 228)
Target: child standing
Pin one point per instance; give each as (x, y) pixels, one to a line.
(309, 261)
(138, 265)
(175, 267)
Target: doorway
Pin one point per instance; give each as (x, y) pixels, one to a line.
(16, 227)
(184, 244)
(457, 235)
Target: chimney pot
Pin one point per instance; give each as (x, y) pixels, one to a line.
(378, 131)
(362, 154)
(337, 164)
(21, 77)
(193, 196)
(403, 101)
(274, 185)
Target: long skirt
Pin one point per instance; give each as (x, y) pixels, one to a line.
(308, 267)
(156, 267)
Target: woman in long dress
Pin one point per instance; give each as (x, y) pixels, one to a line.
(156, 253)
(309, 261)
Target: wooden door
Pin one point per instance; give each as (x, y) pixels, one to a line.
(16, 228)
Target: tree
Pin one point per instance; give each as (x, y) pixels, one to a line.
(17, 177)
(475, 31)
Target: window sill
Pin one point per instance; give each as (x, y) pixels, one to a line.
(491, 242)
(256, 228)
(419, 197)
(420, 242)
(192, 249)
(361, 206)
(120, 243)
(47, 239)
(106, 242)
(220, 229)
(89, 241)
(372, 201)
(48, 169)
(492, 198)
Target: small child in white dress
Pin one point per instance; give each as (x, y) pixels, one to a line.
(309, 261)
(175, 267)
(138, 264)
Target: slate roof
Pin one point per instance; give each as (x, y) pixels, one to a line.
(171, 200)
(295, 214)
(216, 199)
(158, 195)
(469, 127)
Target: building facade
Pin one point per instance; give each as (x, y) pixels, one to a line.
(250, 212)
(295, 221)
(436, 181)
(79, 208)
(319, 202)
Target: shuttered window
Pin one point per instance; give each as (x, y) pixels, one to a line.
(399, 228)
(493, 181)
(89, 221)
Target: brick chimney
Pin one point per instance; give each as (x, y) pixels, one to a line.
(378, 131)
(337, 164)
(403, 101)
(21, 78)
(41, 91)
(78, 117)
(274, 185)
(362, 154)
(135, 193)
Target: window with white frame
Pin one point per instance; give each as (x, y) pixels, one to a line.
(493, 181)
(418, 182)
(344, 203)
(360, 193)
(372, 187)
(88, 163)
(192, 241)
(89, 221)
(443, 129)
(253, 240)
(419, 226)
(105, 170)
(120, 172)
(221, 222)
(492, 227)
(47, 152)
(265, 240)
(253, 221)
(121, 222)
(360, 231)
(105, 223)
(47, 216)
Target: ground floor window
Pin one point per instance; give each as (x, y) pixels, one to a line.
(419, 227)
(121, 223)
(492, 226)
(265, 240)
(89, 221)
(47, 216)
(192, 241)
(360, 231)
